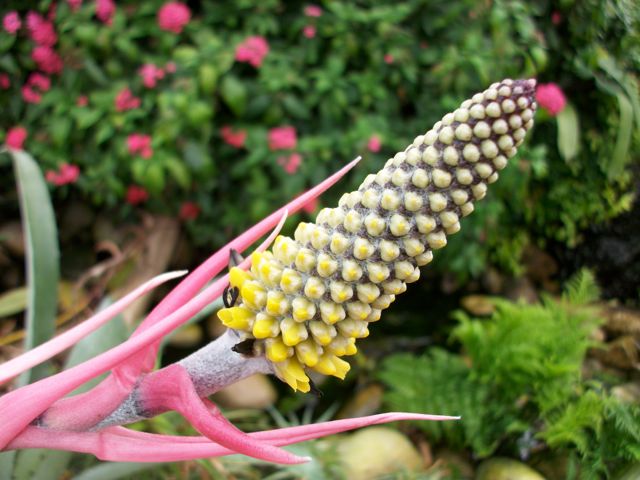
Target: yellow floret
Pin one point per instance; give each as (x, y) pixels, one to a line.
(239, 318)
(237, 277)
(308, 352)
(276, 350)
(293, 332)
(265, 326)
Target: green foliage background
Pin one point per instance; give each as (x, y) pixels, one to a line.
(337, 90)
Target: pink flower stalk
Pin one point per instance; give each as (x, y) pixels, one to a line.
(136, 195)
(150, 75)
(125, 100)
(82, 101)
(105, 10)
(41, 30)
(139, 144)
(309, 31)
(5, 81)
(551, 97)
(313, 11)
(374, 144)
(66, 174)
(16, 137)
(282, 138)
(47, 59)
(234, 138)
(78, 424)
(11, 22)
(290, 163)
(173, 16)
(252, 51)
(189, 211)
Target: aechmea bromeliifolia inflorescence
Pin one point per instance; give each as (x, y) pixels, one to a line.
(298, 307)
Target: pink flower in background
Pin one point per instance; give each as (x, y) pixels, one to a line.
(311, 206)
(374, 143)
(74, 4)
(126, 101)
(105, 10)
(173, 16)
(388, 58)
(313, 11)
(47, 59)
(41, 31)
(189, 211)
(11, 22)
(282, 138)
(16, 137)
(139, 144)
(42, 82)
(556, 18)
(82, 101)
(5, 82)
(29, 95)
(290, 163)
(66, 174)
(309, 31)
(150, 75)
(136, 195)
(170, 67)
(233, 138)
(551, 97)
(252, 51)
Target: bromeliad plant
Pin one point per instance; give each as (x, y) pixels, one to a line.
(300, 306)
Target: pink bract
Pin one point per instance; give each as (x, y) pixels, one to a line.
(282, 138)
(41, 31)
(252, 51)
(47, 59)
(16, 137)
(105, 10)
(313, 11)
(150, 74)
(11, 22)
(173, 16)
(74, 4)
(551, 97)
(66, 174)
(139, 144)
(125, 100)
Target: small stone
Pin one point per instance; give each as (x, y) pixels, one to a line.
(255, 391)
(627, 393)
(478, 305)
(376, 451)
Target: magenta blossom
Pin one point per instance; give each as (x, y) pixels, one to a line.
(105, 10)
(125, 100)
(234, 138)
(136, 195)
(86, 422)
(74, 5)
(47, 59)
(551, 97)
(139, 144)
(309, 31)
(82, 101)
(16, 137)
(150, 75)
(252, 51)
(36, 85)
(189, 211)
(11, 22)
(374, 144)
(282, 138)
(173, 16)
(5, 81)
(313, 11)
(170, 67)
(66, 174)
(389, 59)
(290, 163)
(41, 30)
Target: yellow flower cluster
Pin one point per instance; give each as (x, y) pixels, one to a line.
(309, 299)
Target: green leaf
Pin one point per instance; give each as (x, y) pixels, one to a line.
(14, 301)
(41, 236)
(568, 133)
(620, 157)
(115, 470)
(6, 465)
(234, 94)
(179, 172)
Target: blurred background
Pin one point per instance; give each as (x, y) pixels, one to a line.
(164, 129)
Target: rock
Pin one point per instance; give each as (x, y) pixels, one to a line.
(539, 264)
(255, 391)
(493, 281)
(627, 393)
(12, 238)
(506, 469)
(620, 353)
(454, 464)
(377, 451)
(521, 289)
(478, 305)
(365, 402)
(621, 321)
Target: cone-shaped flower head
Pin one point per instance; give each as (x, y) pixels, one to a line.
(309, 299)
